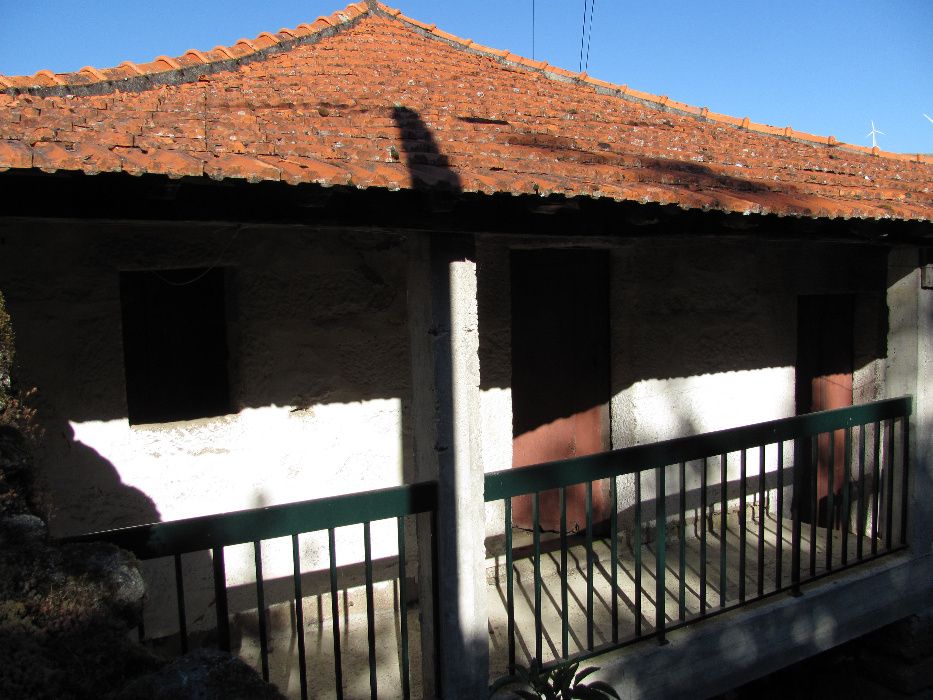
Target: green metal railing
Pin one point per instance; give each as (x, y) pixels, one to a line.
(874, 484)
(873, 490)
(215, 532)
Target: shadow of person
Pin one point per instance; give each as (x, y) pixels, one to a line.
(439, 263)
(429, 169)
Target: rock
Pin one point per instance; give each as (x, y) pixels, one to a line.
(119, 570)
(22, 530)
(102, 578)
(204, 674)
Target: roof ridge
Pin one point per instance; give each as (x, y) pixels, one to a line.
(190, 65)
(662, 102)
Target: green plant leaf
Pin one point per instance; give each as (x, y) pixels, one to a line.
(562, 679)
(585, 672)
(591, 692)
(605, 689)
(527, 694)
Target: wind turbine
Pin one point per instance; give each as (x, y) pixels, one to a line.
(873, 132)
(928, 117)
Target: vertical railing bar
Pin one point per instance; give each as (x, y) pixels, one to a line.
(180, 599)
(536, 517)
(682, 592)
(779, 520)
(814, 500)
(889, 469)
(437, 662)
(335, 610)
(403, 607)
(370, 607)
(761, 520)
(588, 489)
(636, 543)
(796, 516)
(614, 554)
(564, 610)
(877, 483)
(846, 506)
(704, 508)
(261, 610)
(724, 497)
(830, 500)
(659, 552)
(860, 508)
(509, 584)
(299, 618)
(905, 466)
(743, 496)
(220, 599)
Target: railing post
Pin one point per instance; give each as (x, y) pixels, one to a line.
(660, 563)
(795, 517)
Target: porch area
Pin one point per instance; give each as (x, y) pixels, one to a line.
(550, 634)
(698, 528)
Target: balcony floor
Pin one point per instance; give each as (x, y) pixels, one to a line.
(551, 593)
(283, 659)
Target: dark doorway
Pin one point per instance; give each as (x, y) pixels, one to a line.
(560, 372)
(824, 381)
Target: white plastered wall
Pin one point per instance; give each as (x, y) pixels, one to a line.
(318, 369)
(703, 337)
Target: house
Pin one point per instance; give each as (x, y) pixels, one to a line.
(365, 252)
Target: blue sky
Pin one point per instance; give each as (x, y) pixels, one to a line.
(823, 66)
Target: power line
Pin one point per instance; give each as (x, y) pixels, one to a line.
(582, 36)
(586, 35)
(589, 37)
(532, 30)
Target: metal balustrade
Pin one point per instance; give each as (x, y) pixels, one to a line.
(716, 520)
(213, 533)
(713, 521)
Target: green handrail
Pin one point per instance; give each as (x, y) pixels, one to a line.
(628, 460)
(239, 527)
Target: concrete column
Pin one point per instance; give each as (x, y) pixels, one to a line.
(920, 531)
(907, 371)
(446, 415)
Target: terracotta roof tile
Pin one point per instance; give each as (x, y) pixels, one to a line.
(172, 163)
(14, 154)
(240, 166)
(371, 98)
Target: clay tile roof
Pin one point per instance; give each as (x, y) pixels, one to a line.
(368, 97)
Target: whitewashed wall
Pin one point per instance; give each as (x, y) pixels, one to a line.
(319, 380)
(703, 337)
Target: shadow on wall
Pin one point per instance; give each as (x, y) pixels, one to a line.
(319, 329)
(464, 639)
(685, 309)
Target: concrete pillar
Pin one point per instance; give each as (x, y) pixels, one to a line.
(446, 416)
(907, 371)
